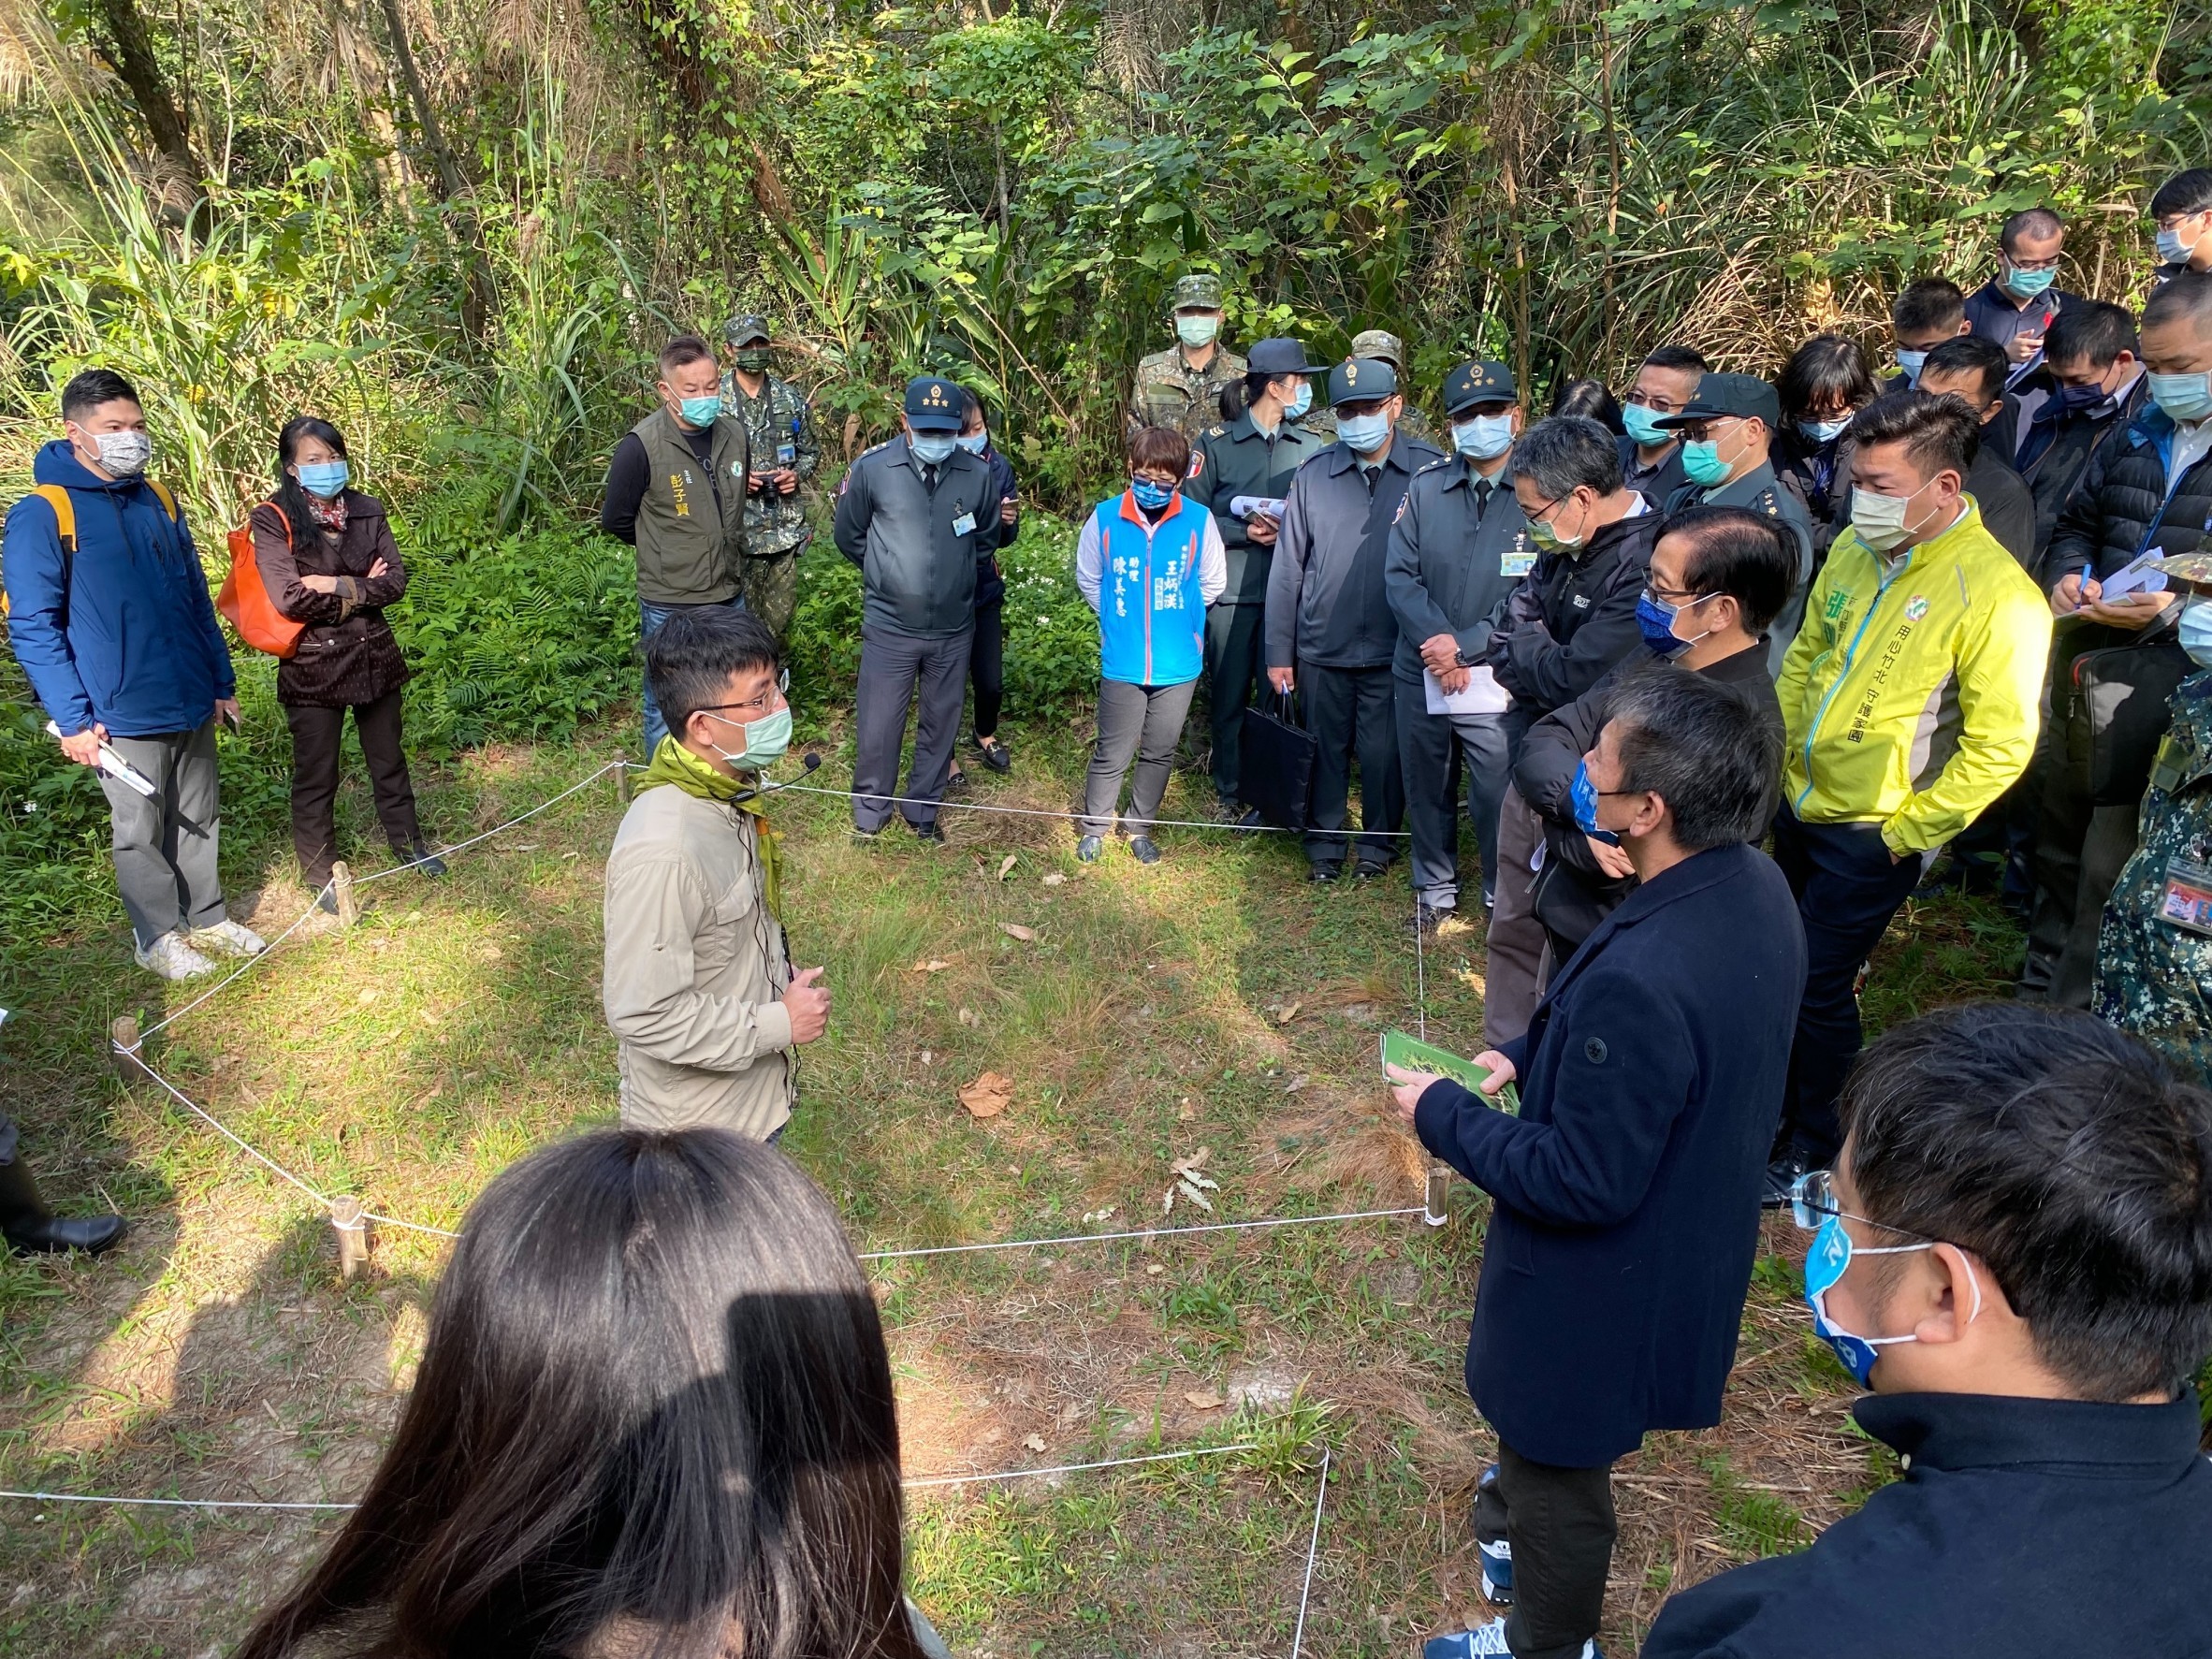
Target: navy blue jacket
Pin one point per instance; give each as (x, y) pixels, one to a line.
(124, 634)
(2004, 1501)
(1625, 1210)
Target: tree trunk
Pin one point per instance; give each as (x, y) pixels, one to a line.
(426, 117)
(140, 71)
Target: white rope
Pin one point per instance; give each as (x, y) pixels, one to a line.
(498, 830)
(1202, 823)
(1313, 1553)
(925, 1480)
(244, 968)
(226, 1132)
(1150, 1233)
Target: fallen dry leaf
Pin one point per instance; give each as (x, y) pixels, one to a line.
(969, 1018)
(1015, 930)
(988, 1095)
(1204, 1399)
(1034, 1442)
(934, 965)
(1288, 1013)
(366, 998)
(1295, 1083)
(1055, 878)
(1154, 1267)
(1006, 865)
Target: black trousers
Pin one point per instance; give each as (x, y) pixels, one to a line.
(1560, 1524)
(316, 733)
(2079, 851)
(1847, 888)
(1353, 710)
(986, 668)
(1233, 645)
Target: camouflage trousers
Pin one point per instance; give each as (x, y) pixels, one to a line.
(772, 587)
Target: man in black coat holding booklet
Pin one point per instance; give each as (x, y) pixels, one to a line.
(1626, 1195)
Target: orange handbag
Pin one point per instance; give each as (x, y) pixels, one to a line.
(245, 598)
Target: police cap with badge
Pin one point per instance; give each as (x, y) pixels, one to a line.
(1478, 382)
(935, 404)
(1361, 380)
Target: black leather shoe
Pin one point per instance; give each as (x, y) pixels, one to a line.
(1325, 872)
(32, 1229)
(928, 832)
(1367, 869)
(1781, 1178)
(1143, 850)
(426, 864)
(995, 754)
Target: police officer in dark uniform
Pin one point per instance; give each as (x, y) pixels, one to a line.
(1247, 463)
(1728, 433)
(1459, 546)
(1330, 630)
(918, 514)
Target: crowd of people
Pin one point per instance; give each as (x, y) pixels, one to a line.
(1863, 623)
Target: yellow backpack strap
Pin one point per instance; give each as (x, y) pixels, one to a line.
(64, 514)
(168, 501)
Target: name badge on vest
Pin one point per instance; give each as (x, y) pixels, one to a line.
(1518, 559)
(963, 525)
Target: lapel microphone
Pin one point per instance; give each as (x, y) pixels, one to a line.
(813, 762)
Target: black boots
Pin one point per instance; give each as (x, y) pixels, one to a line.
(32, 1229)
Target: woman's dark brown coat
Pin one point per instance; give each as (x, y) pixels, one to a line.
(347, 655)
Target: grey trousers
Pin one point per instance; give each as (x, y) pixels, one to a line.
(897, 670)
(1351, 710)
(166, 846)
(1434, 750)
(1144, 722)
(1519, 952)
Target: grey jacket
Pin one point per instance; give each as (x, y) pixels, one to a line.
(1325, 600)
(1449, 564)
(695, 970)
(917, 547)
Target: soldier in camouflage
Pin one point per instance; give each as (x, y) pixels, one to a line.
(2154, 944)
(777, 420)
(1182, 386)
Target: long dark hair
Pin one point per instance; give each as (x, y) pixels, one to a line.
(654, 1416)
(288, 495)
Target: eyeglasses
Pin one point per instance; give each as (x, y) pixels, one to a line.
(755, 705)
(1812, 1201)
(2018, 263)
(1659, 595)
(1657, 403)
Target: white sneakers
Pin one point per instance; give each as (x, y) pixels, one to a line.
(229, 939)
(172, 958)
(176, 956)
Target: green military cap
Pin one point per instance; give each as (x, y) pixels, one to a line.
(1374, 342)
(2189, 573)
(1200, 291)
(744, 330)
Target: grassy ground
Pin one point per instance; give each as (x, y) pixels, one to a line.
(1216, 1002)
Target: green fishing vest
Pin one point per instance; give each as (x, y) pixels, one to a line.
(686, 552)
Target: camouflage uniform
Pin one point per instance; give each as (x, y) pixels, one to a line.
(2154, 976)
(1169, 392)
(776, 528)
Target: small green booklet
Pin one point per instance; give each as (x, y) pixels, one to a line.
(1410, 1054)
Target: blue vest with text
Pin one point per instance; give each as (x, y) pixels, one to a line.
(1152, 620)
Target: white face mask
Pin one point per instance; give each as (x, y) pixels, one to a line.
(1195, 329)
(124, 454)
(1882, 521)
(1485, 437)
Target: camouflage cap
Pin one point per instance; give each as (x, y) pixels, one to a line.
(1200, 291)
(744, 330)
(1376, 343)
(2188, 572)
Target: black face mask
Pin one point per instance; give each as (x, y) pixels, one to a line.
(754, 359)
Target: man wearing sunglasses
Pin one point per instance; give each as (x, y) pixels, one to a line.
(698, 984)
(2034, 1190)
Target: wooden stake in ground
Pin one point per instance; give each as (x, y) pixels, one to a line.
(622, 780)
(352, 1228)
(1436, 1214)
(341, 888)
(123, 1035)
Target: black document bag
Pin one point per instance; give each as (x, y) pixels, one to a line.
(1278, 764)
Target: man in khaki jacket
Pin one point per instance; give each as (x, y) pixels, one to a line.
(698, 984)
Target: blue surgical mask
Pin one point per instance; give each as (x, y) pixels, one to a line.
(1654, 620)
(322, 478)
(1301, 404)
(1824, 431)
(932, 449)
(2171, 248)
(1832, 1253)
(1485, 437)
(975, 444)
(2196, 633)
(2027, 285)
(1582, 794)
(701, 412)
(1643, 426)
(1149, 494)
(766, 740)
(2184, 397)
(1364, 433)
(1911, 363)
(1702, 463)
(2075, 400)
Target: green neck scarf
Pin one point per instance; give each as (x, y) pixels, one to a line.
(674, 763)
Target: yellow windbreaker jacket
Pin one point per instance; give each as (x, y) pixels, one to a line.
(1910, 696)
